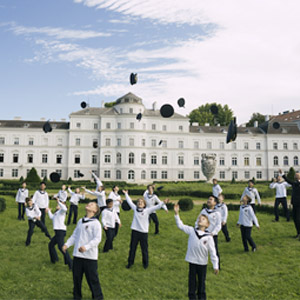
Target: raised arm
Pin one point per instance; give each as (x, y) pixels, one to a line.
(129, 201)
(90, 192)
(63, 207)
(186, 229)
(273, 185)
(70, 191)
(50, 214)
(97, 179)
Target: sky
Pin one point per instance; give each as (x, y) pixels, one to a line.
(54, 54)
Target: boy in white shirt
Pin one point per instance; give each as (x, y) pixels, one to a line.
(109, 220)
(21, 196)
(75, 198)
(114, 195)
(252, 192)
(86, 238)
(223, 210)
(99, 193)
(216, 190)
(199, 244)
(62, 195)
(41, 199)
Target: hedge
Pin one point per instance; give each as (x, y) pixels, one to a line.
(2, 204)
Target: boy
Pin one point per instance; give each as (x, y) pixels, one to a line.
(21, 196)
(139, 228)
(151, 200)
(86, 238)
(62, 195)
(114, 195)
(75, 198)
(109, 220)
(252, 192)
(223, 210)
(60, 229)
(41, 199)
(199, 244)
(246, 219)
(33, 214)
(216, 190)
(280, 185)
(100, 194)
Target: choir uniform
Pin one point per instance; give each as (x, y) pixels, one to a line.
(215, 225)
(280, 198)
(75, 198)
(32, 214)
(151, 201)
(246, 219)
(88, 234)
(101, 198)
(22, 194)
(61, 195)
(60, 229)
(253, 194)
(109, 220)
(216, 190)
(116, 198)
(41, 199)
(200, 243)
(223, 210)
(139, 232)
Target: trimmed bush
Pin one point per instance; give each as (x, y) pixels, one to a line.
(2, 204)
(186, 204)
(33, 177)
(291, 174)
(170, 206)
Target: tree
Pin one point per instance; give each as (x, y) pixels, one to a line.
(69, 181)
(256, 117)
(203, 115)
(21, 179)
(291, 174)
(45, 179)
(32, 176)
(109, 104)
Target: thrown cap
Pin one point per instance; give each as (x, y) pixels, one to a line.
(47, 127)
(133, 78)
(232, 131)
(214, 109)
(83, 104)
(181, 102)
(276, 125)
(139, 116)
(167, 111)
(54, 177)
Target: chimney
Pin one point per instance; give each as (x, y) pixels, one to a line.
(255, 123)
(154, 105)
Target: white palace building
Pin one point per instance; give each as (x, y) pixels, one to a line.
(130, 150)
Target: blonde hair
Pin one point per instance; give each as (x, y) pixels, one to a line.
(206, 217)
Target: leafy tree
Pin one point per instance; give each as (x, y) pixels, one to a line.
(21, 179)
(291, 174)
(109, 104)
(32, 176)
(203, 115)
(256, 117)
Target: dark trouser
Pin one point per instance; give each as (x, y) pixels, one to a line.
(246, 237)
(31, 225)
(43, 211)
(137, 237)
(194, 271)
(253, 206)
(117, 226)
(110, 234)
(21, 206)
(225, 231)
(217, 250)
(285, 208)
(89, 267)
(154, 218)
(59, 240)
(296, 217)
(73, 208)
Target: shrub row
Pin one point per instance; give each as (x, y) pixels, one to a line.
(2, 204)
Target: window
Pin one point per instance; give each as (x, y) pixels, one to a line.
(235, 174)
(164, 160)
(164, 144)
(196, 145)
(107, 125)
(30, 142)
(222, 145)
(59, 172)
(131, 142)
(143, 143)
(143, 158)
(259, 175)
(14, 172)
(164, 127)
(296, 161)
(15, 158)
(285, 161)
(2, 140)
(107, 158)
(107, 142)
(246, 145)
(222, 174)
(258, 161)
(1, 172)
(58, 158)
(285, 146)
(153, 126)
(94, 159)
(76, 173)
(275, 146)
(119, 158)
(295, 146)
(30, 158)
(180, 175)
(119, 125)
(246, 161)
(77, 159)
(247, 175)
(143, 174)
(118, 174)
(95, 125)
(180, 160)
(131, 158)
(153, 159)
(77, 142)
(106, 173)
(209, 145)
(180, 144)
(234, 146)
(131, 175)
(153, 174)
(153, 143)
(131, 110)
(196, 161)
(222, 161)
(131, 125)
(43, 173)
(78, 125)
(121, 110)
(196, 175)
(119, 143)
(180, 128)
(1, 157)
(275, 161)
(164, 174)
(16, 141)
(59, 142)
(234, 161)
(258, 146)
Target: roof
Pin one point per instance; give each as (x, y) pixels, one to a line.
(287, 116)
(32, 124)
(224, 129)
(129, 98)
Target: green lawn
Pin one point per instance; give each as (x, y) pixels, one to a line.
(273, 272)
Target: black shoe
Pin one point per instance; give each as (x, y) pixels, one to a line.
(228, 240)
(297, 236)
(288, 220)
(128, 266)
(254, 250)
(246, 250)
(145, 266)
(156, 232)
(275, 220)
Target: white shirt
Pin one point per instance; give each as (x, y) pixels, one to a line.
(252, 193)
(22, 194)
(110, 218)
(116, 198)
(61, 195)
(216, 190)
(87, 233)
(75, 198)
(280, 188)
(58, 218)
(33, 212)
(98, 181)
(152, 200)
(247, 216)
(101, 197)
(214, 218)
(223, 210)
(41, 199)
(199, 244)
(140, 220)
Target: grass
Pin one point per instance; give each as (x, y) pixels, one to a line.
(271, 273)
